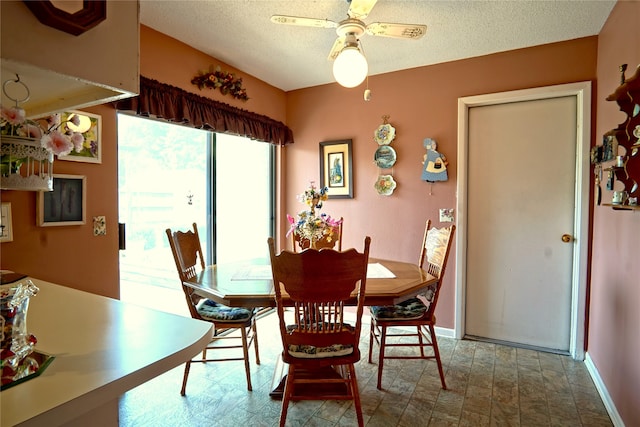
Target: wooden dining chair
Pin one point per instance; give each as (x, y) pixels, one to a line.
(187, 253)
(318, 345)
(335, 242)
(418, 311)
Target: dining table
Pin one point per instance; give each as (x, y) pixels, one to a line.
(250, 284)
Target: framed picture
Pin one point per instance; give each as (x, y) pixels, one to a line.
(91, 128)
(66, 204)
(609, 147)
(336, 171)
(6, 226)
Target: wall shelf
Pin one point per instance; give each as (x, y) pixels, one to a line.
(625, 140)
(622, 207)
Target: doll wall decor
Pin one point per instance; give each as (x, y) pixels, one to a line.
(434, 164)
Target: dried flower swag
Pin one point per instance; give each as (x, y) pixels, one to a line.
(215, 78)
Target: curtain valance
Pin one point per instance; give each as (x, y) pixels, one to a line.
(177, 105)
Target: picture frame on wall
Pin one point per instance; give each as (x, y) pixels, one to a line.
(66, 204)
(609, 147)
(91, 128)
(336, 168)
(6, 224)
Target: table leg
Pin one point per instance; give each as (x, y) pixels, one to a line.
(279, 378)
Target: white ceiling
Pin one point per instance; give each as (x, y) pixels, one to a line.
(239, 32)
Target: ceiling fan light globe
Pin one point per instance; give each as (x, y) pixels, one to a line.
(350, 68)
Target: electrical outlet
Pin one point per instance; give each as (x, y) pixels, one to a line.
(99, 225)
(446, 215)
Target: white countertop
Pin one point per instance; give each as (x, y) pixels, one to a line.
(102, 347)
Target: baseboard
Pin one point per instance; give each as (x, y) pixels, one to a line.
(445, 332)
(603, 392)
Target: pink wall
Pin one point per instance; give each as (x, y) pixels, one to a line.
(614, 340)
(421, 102)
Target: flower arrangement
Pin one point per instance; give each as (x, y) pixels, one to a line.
(314, 197)
(309, 226)
(54, 134)
(215, 78)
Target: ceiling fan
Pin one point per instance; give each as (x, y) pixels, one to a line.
(350, 66)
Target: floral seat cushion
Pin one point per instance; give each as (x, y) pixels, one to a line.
(313, 352)
(410, 309)
(211, 310)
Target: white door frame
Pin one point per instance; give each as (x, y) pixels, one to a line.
(582, 92)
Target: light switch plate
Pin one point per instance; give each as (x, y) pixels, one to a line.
(99, 225)
(446, 215)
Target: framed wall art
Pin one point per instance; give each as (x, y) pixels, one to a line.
(91, 128)
(6, 225)
(336, 168)
(66, 204)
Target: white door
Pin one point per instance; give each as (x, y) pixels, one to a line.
(521, 169)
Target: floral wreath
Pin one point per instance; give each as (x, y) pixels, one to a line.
(215, 78)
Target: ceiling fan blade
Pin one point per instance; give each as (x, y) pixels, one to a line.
(359, 9)
(400, 31)
(303, 22)
(337, 48)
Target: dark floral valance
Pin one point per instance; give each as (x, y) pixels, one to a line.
(177, 105)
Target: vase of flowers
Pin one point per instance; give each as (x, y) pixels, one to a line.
(309, 227)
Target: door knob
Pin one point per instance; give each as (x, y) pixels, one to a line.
(567, 238)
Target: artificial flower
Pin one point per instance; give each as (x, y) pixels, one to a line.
(308, 225)
(55, 136)
(215, 78)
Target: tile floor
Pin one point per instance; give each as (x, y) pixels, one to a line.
(488, 385)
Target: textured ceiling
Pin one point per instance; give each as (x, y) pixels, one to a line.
(239, 32)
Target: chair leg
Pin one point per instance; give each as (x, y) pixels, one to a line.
(286, 396)
(245, 352)
(255, 340)
(383, 342)
(371, 339)
(187, 367)
(420, 341)
(355, 392)
(434, 342)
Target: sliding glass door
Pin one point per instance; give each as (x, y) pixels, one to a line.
(163, 182)
(170, 176)
(243, 194)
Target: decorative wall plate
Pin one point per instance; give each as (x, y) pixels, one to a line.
(385, 157)
(385, 185)
(384, 134)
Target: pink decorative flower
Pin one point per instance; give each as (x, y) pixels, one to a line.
(30, 131)
(75, 119)
(53, 120)
(57, 143)
(293, 223)
(78, 141)
(13, 115)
